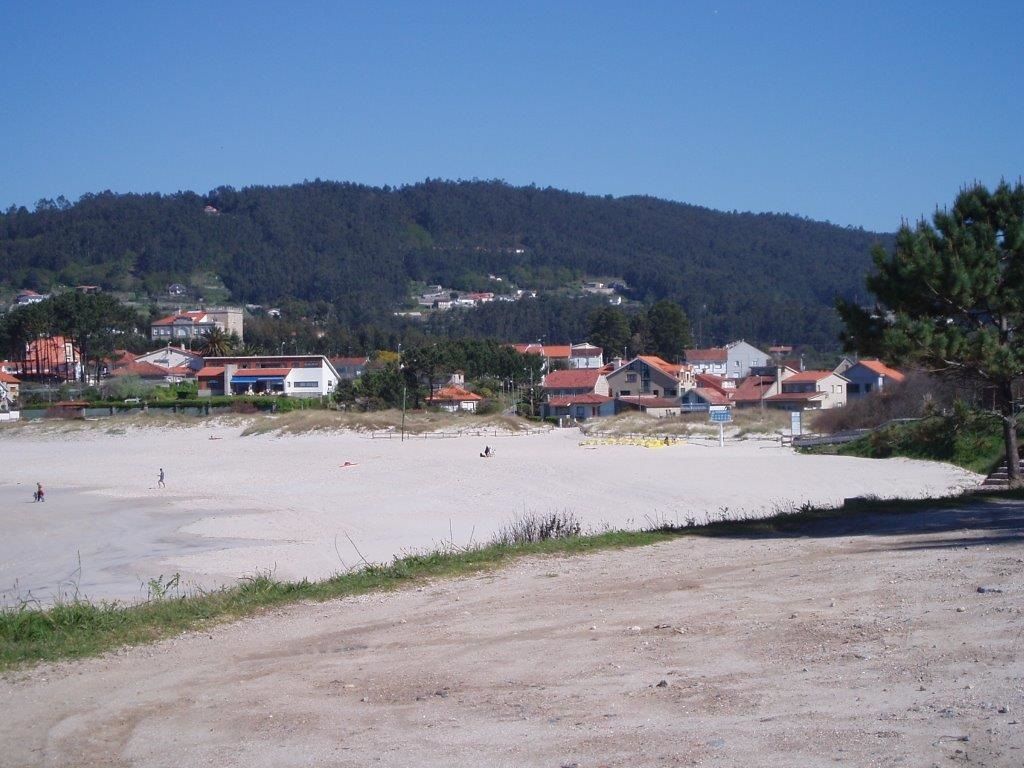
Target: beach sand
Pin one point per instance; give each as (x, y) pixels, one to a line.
(888, 640)
(311, 505)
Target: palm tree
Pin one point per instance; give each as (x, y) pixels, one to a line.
(216, 343)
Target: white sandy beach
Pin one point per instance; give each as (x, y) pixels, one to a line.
(237, 505)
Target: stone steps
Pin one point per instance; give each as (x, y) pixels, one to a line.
(1000, 478)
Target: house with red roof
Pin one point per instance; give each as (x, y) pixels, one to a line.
(583, 355)
(28, 296)
(580, 393)
(810, 390)
(867, 376)
(581, 381)
(581, 407)
(51, 357)
(10, 390)
(454, 399)
(649, 376)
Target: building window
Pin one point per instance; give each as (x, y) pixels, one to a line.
(306, 384)
(631, 377)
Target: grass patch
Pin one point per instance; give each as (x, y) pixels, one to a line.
(78, 628)
(969, 439)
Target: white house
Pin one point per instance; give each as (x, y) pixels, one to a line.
(172, 357)
(741, 357)
(714, 360)
(290, 375)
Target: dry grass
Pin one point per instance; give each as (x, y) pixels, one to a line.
(293, 423)
(745, 422)
(416, 422)
(117, 424)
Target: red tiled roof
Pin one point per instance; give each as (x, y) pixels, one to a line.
(795, 396)
(588, 399)
(877, 366)
(210, 370)
(6, 378)
(450, 394)
(670, 368)
(196, 316)
(712, 396)
(712, 355)
(752, 389)
(575, 378)
(807, 377)
(52, 350)
(710, 381)
(122, 357)
(550, 350)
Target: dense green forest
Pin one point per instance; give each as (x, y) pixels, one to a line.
(349, 252)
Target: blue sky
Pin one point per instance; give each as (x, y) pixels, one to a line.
(860, 113)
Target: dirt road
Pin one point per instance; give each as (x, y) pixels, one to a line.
(893, 642)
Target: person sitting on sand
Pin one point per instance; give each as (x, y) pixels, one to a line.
(487, 453)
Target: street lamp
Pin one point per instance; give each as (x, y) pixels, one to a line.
(401, 369)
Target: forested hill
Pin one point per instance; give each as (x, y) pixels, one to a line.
(758, 276)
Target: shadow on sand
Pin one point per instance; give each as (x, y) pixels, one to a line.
(962, 522)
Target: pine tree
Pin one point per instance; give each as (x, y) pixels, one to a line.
(951, 297)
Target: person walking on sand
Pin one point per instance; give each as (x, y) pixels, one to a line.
(40, 493)
(160, 479)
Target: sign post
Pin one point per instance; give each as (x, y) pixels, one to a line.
(721, 415)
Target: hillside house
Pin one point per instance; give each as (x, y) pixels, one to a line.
(27, 296)
(869, 376)
(810, 390)
(193, 324)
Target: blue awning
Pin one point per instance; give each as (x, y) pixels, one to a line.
(254, 379)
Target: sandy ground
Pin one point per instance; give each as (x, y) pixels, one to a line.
(312, 505)
(885, 641)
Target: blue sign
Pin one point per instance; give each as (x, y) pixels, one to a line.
(721, 416)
